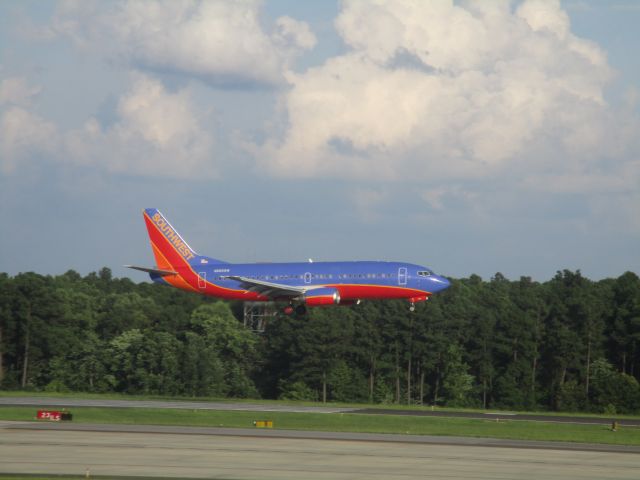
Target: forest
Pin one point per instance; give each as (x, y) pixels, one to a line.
(567, 344)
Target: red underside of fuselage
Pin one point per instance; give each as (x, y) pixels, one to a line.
(379, 292)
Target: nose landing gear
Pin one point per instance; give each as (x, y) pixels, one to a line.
(414, 300)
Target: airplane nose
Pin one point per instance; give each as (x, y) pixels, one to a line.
(441, 282)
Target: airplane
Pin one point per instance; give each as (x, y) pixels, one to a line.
(297, 285)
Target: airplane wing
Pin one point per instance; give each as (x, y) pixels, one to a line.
(268, 289)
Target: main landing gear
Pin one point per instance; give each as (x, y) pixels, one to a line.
(298, 309)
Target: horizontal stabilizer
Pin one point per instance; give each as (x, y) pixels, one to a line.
(157, 271)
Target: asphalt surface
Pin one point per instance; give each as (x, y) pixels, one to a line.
(319, 435)
(190, 452)
(258, 407)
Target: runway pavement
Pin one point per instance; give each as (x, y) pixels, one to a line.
(190, 452)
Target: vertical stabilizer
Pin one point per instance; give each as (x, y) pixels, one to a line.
(169, 248)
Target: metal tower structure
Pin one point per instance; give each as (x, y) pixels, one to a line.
(257, 315)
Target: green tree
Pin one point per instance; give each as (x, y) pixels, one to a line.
(457, 383)
(202, 371)
(145, 362)
(8, 325)
(347, 383)
(613, 391)
(624, 328)
(234, 345)
(317, 345)
(566, 346)
(124, 311)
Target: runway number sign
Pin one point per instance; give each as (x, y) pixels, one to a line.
(53, 415)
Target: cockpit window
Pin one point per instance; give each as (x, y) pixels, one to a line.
(425, 273)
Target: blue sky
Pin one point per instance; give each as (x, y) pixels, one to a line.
(472, 137)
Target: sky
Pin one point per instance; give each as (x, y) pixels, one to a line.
(470, 137)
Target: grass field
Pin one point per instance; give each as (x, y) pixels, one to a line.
(345, 422)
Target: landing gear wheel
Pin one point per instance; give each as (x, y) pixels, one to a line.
(301, 310)
(412, 308)
(288, 310)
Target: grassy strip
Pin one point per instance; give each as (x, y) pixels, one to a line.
(122, 396)
(344, 422)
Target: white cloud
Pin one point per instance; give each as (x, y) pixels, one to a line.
(293, 34)
(23, 134)
(440, 91)
(545, 15)
(17, 91)
(218, 41)
(157, 134)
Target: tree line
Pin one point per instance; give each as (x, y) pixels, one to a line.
(567, 344)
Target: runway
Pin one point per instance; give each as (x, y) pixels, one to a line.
(183, 452)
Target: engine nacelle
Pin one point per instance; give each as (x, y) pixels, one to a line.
(322, 296)
(345, 303)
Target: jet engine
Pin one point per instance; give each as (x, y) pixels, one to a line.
(322, 296)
